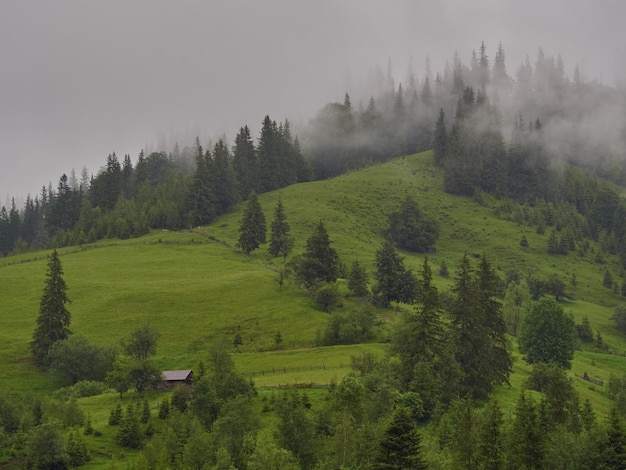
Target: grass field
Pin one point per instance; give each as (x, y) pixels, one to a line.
(195, 288)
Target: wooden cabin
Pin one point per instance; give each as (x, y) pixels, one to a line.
(172, 378)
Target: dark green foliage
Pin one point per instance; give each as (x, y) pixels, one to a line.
(295, 430)
(319, 262)
(46, 449)
(115, 417)
(200, 200)
(129, 432)
(523, 242)
(560, 405)
(252, 230)
(145, 412)
(164, 409)
(400, 447)
(619, 317)
(75, 359)
(77, 450)
(524, 443)
(412, 230)
(490, 450)
(88, 426)
(613, 445)
(136, 368)
(479, 329)
(245, 163)
(327, 297)
(443, 270)
(547, 334)
(440, 142)
(607, 280)
(225, 190)
(281, 242)
(219, 384)
(583, 331)
(394, 282)
(352, 327)
(238, 422)
(54, 319)
(357, 280)
(141, 343)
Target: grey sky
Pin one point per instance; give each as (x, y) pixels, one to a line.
(80, 79)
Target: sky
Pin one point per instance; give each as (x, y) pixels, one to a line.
(81, 79)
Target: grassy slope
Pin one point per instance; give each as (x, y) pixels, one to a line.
(197, 293)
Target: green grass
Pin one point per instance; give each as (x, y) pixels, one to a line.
(195, 288)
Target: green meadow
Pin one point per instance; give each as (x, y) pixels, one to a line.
(197, 289)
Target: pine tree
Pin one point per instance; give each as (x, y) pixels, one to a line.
(319, 262)
(280, 241)
(490, 452)
(252, 230)
(200, 199)
(394, 282)
(54, 319)
(129, 434)
(440, 142)
(357, 280)
(524, 446)
(400, 447)
(225, 189)
(499, 359)
(245, 163)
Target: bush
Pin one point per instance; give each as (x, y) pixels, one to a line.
(85, 388)
(327, 297)
(349, 328)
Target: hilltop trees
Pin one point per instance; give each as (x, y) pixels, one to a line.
(54, 319)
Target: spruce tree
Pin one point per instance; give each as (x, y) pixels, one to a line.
(400, 447)
(252, 231)
(245, 163)
(394, 281)
(440, 142)
(280, 241)
(319, 262)
(357, 280)
(54, 319)
(496, 353)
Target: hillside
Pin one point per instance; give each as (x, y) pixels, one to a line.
(195, 288)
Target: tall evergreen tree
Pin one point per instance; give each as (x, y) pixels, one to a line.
(245, 163)
(394, 281)
(479, 330)
(319, 262)
(499, 358)
(54, 319)
(267, 148)
(252, 230)
(440, 142)
(524, 445)
(280, 240)
(401, 445)
(200, 199)
(225, 190)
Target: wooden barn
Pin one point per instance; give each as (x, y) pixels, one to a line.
(172, 378)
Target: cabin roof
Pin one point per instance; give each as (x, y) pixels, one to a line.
(176, 375)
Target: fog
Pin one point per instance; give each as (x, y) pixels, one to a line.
(79, 80)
